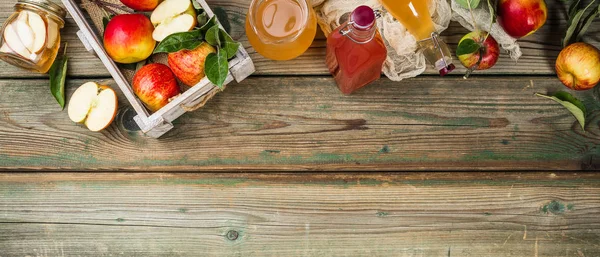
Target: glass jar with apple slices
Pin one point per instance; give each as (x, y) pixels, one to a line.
(31, 35)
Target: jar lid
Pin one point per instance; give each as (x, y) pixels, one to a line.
(363, 17)
(46, 5)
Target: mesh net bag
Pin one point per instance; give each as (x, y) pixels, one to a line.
(482, 18)
(404, 60)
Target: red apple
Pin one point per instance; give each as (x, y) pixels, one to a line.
(491, 51)
(141, 5)
(520, 18)
(155, 85)
(578, 66)
(188, 65)
(128, 38)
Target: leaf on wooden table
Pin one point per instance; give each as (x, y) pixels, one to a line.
(216, 68)
(179, 41)
(58, 74)
(571, 103)
(573, 23)
(587, 22)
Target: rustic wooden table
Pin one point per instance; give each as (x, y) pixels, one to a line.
(126, 199)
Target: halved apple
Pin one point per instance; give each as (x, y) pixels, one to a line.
(38, 26)
(12, 40)
(172, 16)
(94, 105)
(181, 23)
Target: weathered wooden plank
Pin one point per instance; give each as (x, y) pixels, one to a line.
(456, 214)
(539, 50)
(304, 123)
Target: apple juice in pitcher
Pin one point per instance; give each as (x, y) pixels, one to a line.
(281, 29)
(414, 15)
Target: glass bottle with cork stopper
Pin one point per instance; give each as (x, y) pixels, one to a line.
(355, 51)
(31, 35)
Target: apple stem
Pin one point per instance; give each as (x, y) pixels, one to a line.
(472, 16)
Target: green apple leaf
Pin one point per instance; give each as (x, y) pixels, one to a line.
(212, 36)
(468, 4)
(587, 22)
(224, 37)
(209, 24)
(467, 46)
(228, 44)
(179, 41)
(573, 8)
(216, 68)
(573, 26)
(571, 103)
(196, 5)
(58, 74)
(231, 48)
(202, 19)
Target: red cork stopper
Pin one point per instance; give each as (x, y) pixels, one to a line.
(446, 70)
(363, 17)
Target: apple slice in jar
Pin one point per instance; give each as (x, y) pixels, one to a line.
(12, 40)
(52, 34)
(38, 26)
(24, 32)
(93, 105)
(6, 49)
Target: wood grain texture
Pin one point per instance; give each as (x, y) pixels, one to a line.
(397, 214)
(304, 123)
(539, 50)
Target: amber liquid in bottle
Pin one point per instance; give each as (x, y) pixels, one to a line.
(414, 15)
(356, 52)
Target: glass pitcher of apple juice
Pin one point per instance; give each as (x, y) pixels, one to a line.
(281, 29)
(414, 15)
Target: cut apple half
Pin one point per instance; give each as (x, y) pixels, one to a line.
(94, 105)
(52, 34)
(38, 26)
(12, 40)
(171, 8)
(181, 23)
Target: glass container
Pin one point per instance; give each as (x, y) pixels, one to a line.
(31, 35)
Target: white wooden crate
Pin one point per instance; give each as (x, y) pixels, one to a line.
(159, 122)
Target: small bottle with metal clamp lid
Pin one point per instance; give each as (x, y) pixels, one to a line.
(31, 35)
(355, 51)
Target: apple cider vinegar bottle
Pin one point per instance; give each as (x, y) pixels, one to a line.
(414, 15)
(355, 51)
(31, 35)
